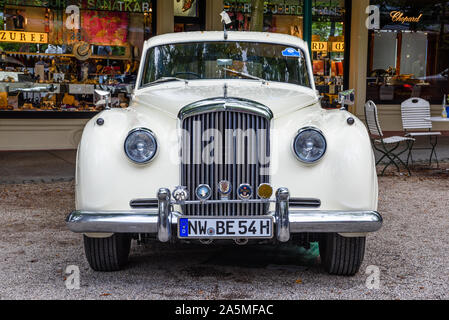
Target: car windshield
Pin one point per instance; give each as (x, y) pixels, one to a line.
(226, 60)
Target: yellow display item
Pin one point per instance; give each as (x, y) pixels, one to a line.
(68, 99)
(3, 100)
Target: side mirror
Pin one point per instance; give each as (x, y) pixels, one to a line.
(224, 62)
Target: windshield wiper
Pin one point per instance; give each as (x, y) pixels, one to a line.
(246, 75)
(168, 79)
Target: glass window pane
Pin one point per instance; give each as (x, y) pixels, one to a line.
(414, 54)
(385, 50)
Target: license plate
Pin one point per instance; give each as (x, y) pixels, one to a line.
(211, 228)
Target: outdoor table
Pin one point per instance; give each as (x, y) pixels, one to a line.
(437, 119)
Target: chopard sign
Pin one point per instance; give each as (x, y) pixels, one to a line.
(398, 16)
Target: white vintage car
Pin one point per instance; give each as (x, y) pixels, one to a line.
(225, 140)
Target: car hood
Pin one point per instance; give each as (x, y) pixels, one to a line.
(171, 97)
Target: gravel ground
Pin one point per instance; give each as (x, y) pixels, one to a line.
(411, 251)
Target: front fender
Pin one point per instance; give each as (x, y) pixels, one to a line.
(105, 178)
(345, 178)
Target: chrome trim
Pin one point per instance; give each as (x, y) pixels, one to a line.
(334, 221)
(139, 221)
(304, 203)
(224, 201)
(164, 215)
(155, 141)
(296, 136)
(225, 104)
(282, 215)
(144, 203)
(113, 221)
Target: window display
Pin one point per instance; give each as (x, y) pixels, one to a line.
(53, 56)
(328, 33)
(409, 54)
(328, 49)
(280, 16)
(189, 15)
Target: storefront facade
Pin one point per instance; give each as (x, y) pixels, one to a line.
(56, 52)
(408, 56)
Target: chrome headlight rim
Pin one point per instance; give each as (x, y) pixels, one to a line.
(151, 135)
(302, 130)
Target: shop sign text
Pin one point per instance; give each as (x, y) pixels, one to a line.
(338, 47)
(268, 8)
(324, 46)
(286, 9)
(110, 5)
(398, 16)
(319, 46)
(25, 37)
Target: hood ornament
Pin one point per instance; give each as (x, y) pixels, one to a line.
(225, 91)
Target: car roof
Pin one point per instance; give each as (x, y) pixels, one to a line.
(243, 36)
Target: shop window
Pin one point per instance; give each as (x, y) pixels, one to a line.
(53, 55)
(280, 16)
(409, 54)
(189, 15)
(414, 54)
(384, 51)
(328, 36)
(328, 49)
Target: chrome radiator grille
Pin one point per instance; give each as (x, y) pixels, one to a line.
(225, 145)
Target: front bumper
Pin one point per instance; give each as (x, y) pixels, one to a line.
(163, 220)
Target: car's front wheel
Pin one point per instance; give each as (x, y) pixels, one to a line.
(341, 255)
(107, 254)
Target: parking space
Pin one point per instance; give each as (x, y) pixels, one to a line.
(410, 251)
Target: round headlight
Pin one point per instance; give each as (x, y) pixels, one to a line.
(140, 145)
(309, 145)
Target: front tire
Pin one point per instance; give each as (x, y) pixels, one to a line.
(341, 255)
(107, 254)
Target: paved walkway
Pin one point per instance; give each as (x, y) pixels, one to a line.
(37, 166)
(57, 166)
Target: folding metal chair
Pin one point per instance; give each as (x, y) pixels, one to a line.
(387, 146)
(414, 112)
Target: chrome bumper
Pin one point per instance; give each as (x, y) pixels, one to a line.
(161, 221)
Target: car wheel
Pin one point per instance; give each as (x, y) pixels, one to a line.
(341, 255)
(107, 254)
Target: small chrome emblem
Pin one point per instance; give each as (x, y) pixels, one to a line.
(203, 192)
(224, 187)
(245, 191)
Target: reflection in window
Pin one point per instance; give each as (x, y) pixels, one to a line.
(414, 54)
(411, 58)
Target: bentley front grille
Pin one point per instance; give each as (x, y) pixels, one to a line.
(225, 145)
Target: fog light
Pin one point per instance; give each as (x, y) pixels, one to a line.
(265, 191)
(180, 194)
